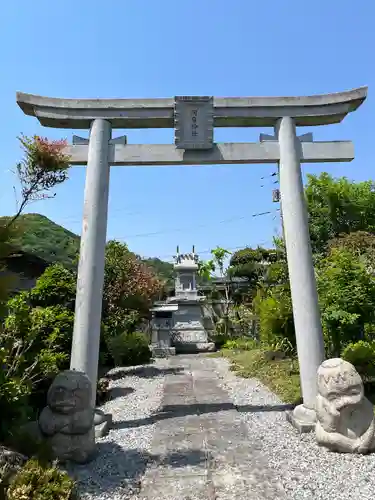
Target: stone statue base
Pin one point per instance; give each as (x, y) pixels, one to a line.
(194, 347)
(162, 351)
(302, 418)
(102, 423)
(78, 448)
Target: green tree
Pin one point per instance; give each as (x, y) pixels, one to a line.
(56, 286)
(206, 270)
(338, 206)
(273, 303)
(347, 299)
(359, 243)
(273, 307)
(252, 264)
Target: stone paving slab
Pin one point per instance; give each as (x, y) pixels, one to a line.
(181, 441)
(194, 487)
(201, 447)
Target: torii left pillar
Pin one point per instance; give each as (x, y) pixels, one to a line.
(88, 306)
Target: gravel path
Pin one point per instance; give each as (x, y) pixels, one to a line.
(305, 470)
(187, 428)
(124, 453)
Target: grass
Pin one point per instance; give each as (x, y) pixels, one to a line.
(280, 376)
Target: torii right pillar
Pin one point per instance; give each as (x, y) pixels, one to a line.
(306, 313)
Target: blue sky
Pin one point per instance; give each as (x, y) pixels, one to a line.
(140, 48)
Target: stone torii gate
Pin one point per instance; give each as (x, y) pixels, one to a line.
(194, 119)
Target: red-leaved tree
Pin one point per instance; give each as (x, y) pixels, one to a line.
(130, 286)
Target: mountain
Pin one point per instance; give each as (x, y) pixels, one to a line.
(51, 242)
(39, 236)
(161, 268)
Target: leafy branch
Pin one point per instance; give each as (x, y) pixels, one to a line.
(43, 166)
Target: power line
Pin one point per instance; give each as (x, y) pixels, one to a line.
(267, 176)
(73, 219)
(177, 230)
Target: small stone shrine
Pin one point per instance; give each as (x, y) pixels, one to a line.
(345, 417)
(178, 323)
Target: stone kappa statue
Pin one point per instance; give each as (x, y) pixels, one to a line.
(345, 417)
(68, 419)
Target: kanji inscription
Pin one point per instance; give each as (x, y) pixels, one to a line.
(193, 120)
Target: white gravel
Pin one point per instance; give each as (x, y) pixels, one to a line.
(123, 454)
(305, 470)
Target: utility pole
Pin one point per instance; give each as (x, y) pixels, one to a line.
(276, 198)
(281, 204)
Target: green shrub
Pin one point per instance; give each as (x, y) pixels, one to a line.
(114, 324)
(242, 318)
(27, 440)
(130, 349)
(347, 299)
(120, 320)
(369, 331)
(38, 481)
(40, 339)
(282, 345)
(14, 392)
(56, 286)
(274, 310)
(18, 321)
(220, 339)
(241, 344)
(42, 327)
(34, 346)
(47, 331)
(53, 327)
(362, 355)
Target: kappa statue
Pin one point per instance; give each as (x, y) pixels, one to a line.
(68, 420)
(345, 417)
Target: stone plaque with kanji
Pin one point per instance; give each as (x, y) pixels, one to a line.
(193, 122)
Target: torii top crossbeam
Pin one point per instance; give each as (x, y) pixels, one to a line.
(159, 113)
